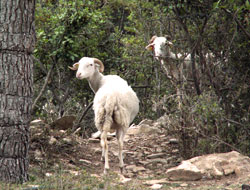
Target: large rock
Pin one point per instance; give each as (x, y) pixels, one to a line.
(210, 166)
(184, 172)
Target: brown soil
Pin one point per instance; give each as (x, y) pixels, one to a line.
(55, 147)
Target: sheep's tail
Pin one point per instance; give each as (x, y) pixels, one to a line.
(104, 116)
(120, 116)
(111, 111)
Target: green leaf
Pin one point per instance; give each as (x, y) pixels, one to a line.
(247, 4)
(216, 4)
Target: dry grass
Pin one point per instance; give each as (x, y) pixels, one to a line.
(63, 179)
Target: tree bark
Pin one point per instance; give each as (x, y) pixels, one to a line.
(17, 40)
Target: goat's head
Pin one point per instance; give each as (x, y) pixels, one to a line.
(87, 66)
(159, 45)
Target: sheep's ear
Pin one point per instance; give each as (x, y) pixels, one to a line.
(168, 43)
(150, 47)
(167, 37)
(75, 67)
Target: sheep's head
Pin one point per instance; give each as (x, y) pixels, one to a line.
(87, 66)
(155, 40)
(159, 45)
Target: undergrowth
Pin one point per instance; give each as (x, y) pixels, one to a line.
(67, 180)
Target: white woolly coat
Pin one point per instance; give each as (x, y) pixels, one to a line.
(114, 101)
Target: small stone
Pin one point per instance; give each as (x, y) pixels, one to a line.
(144, 163)
(158, 155)
(173, 141)
(156, 181)
(33, 187)
(130, 167)
(135, 168)
(138, 154)
(85, 161)
(156, 161)
(147, 152)
(48, 174)
(52, 140)
(164, 144)
(95, 175)
(129, 175)
(159, 149)
(67, 140)
(62, 131)
(129, 153)
(91, 140)
(156, 186)
(96, 150)
(123, 179)
(184, 185)
(133, 130)
(162, 136)
(175, 151)
(139, 169)
(158, 165)
(36, 122)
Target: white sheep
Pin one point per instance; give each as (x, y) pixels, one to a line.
(175, 66)
(160, 47)
(115, 103)
(169, 60)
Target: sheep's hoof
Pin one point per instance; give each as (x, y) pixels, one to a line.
(102, 159)
(106, 171)
(122, 170)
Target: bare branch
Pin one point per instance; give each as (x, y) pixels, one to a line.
(83, 115)
(43, 88)
(238, 22)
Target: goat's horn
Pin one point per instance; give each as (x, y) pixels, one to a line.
(99, 63)
(75, 67)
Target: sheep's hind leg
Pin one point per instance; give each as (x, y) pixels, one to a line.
(104, 144)
(120, 135)
(103, 154)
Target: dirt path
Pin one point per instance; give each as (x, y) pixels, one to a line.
(147, 156)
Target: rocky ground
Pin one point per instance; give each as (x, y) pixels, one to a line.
(148, 152)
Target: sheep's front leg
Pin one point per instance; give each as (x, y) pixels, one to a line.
(104, 144)
(120, 135)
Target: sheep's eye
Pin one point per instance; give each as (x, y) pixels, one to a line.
(91, 64)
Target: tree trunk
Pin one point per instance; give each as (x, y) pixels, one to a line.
(17, 40)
